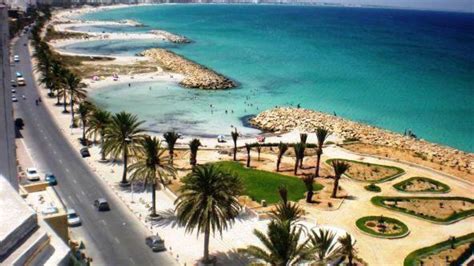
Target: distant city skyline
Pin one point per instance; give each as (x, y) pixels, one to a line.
(446, 5)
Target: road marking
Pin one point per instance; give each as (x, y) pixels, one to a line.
(67, 170)
(82, 192)
(132, 261)
(74, 180)
(70, 198)
(45, 138)
(116, 240)
(103, 221)
(60, 161)
(54, 151)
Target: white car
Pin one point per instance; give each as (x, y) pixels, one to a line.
(32, 174)
(16, 58)
(14, 99)
(72, 218)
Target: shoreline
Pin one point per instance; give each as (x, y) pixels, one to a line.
(368, 133)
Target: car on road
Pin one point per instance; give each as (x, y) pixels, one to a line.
(101, 204)
(155, 243)
(18, 74)
(32, 174)
(51, 179)
(16, 58)
(13, 83)
(14, 98)
(13, 90)
(21, 82)
(85, 152)
(72, 218)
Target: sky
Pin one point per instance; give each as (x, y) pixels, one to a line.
(446, 5)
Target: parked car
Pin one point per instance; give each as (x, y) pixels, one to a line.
(13, 83)
(16, 58)
(85, 153)
(32, 174)
(13, 90)
(101, 204)
(49, 210)
(14, 98)
(72, 218)
(20, 81)
(51, 179)
(18, 74)
(155, 243)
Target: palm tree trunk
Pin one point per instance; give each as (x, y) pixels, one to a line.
(206, 244)
(102, 152)
(83, 129)
(309, 196)
(248, 159)
(278, 164)
(235, 151)
(58, 99)
(153, 200)
(318, 161)
(350, 259)
(336, 185)
(296, 166)
(125, 162)
(171, 156)
(64, 101)
(72, 110)
(301, 163)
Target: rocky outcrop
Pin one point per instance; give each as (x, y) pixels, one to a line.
(196, 76)
(287, 119)
(170, 36)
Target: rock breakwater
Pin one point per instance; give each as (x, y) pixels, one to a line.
(196, 76)
(285, 119)
(171, 37)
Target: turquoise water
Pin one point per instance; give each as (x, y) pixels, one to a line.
(396, 69)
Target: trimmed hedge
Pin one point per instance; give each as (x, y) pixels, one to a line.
(379, 201)
(399, 172)
(444, 188)
(373, 187)
(413, 258)
(360, 223)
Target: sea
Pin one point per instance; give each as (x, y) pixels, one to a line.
(395, 69)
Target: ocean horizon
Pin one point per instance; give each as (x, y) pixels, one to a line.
(396, 69)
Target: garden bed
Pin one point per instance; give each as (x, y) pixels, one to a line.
(261, 185)
(369, 172)
(383, 227)
(421, 185)
(456, 250)
(373, 188)
(435, 209)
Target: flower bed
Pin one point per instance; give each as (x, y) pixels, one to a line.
(456, 250)
(383, 227)
(421, 185)
(369, 172)
(373, 187)
(443, 210)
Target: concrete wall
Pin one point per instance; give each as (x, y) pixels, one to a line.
(7, 131)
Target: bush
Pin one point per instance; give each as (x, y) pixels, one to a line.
(373, 187)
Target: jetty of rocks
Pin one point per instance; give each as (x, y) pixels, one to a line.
(196, 75)
(170, 36)
(285, 119)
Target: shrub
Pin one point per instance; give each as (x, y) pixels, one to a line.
(373, 187)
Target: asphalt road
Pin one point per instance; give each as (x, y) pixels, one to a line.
(112, 238)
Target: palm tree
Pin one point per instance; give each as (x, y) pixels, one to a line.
(248, 147)
(235, 136)
(325, 243)
(286, 211)
(282, 245)
(98, 122)
(299, 153)
(194, 147)
(347, 247)
(259, 150)
(340, 167)
(282, 148)
(75, 91)
(309, 184)
(303, 139)
(208, 202)
(122, 137)
(322, 134)
(58, 81)
(85, 109)
(171, 138)
(151, 164)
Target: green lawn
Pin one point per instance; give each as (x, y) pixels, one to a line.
(264, 185)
